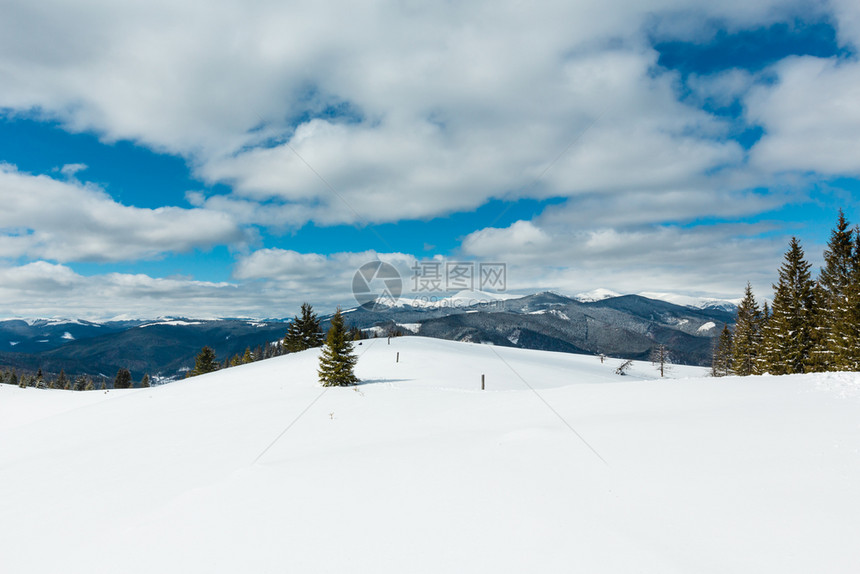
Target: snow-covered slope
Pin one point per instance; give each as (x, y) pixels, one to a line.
(559, 466)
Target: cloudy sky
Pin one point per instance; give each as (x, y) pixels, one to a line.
(235, 158)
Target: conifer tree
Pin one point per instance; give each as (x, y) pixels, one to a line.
(834, 282)
(144, 382)
(89, 386)
(746, 339)
(721, 364)
(13, 379)
(80, 382)
(843, 311)
(337, 360)
(789, 338)
(122, 379)
(205, 362)
(62, 382)
(304, 332)
(247, 358)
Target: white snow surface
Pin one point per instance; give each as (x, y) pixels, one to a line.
(706, 327)
(174, 322)
(258, 469)
(598, 294)
(690, 301)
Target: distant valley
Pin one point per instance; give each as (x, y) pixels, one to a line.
(626, 326)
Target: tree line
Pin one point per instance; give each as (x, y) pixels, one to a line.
(61, 381)
(813, 325)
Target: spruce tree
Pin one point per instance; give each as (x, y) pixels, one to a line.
(834, 282)
(721, 364)
(304, 332)
(122, 379)
(144, 382)
(789, 337)
(746, 339)
(205, 362)
(337, 360)
(80, 382)
(62, 381)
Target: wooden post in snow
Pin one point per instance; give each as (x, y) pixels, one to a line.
(482, 382)
(398, 357)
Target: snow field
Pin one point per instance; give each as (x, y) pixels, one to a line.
(259, 469)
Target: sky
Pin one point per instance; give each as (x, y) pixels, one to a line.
(234, 158)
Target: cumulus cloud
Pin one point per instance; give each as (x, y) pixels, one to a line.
(803, 130)
(406, 110)
(712, 261)
(44, 218)
(387, 111)
(267, 283)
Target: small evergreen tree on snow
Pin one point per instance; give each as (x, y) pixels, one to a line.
(789, 338)
(746, 339)
(721, 364)
(205, 362)
(80, 383)
(62, 381)
(122, 380)
(304, 332)
(144, 382)
(337, 360)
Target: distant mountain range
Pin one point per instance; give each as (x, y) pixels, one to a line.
(627, 326)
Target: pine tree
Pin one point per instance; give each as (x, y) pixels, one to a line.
(62, 382)
(80, 382)
(122, 380)
(304, 332)
(337, 360)
(205, 362)
(746, 339)
(90, 386)
(13, 379)
(721, 364)
(144, 382)
(247, 358)
(40, 380)
(789, 337)
(832, 289)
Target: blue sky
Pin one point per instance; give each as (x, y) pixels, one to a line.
(162, 160)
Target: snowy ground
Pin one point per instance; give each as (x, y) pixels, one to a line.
(258, 469)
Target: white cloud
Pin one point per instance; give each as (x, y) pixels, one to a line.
(267, 283)
(707, 260)
(44, 218)
(450, 104)
(810, 117)
(442, 106)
